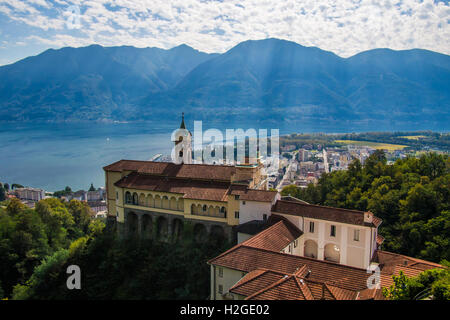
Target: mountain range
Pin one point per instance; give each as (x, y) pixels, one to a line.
(262, 79)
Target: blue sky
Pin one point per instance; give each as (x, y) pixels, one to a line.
(345, 27)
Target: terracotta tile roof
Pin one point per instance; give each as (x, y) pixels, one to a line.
(191, 189)
(255, 281)
(380, 239)
(246, 258)
(272, 285)
(253, 195)
(287, 288)
(169, 169)
(388, 262)
(276, 237)
(324, 213)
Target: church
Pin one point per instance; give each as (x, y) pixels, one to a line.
(285, 248)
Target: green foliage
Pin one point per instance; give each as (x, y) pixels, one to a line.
(114, 268)
(62, 193)
(430, 284)
(411, 196)
(2, 194)
(28, 236)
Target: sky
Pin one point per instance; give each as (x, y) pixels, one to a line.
(344, 27)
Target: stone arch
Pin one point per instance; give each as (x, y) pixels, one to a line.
(150, 201)
(310, 249)
(162, 228)
(147, 226)
(217, 211)
(128, 198)
(135, 198)
(142, 199)
(157, 201)
(332, 252)
(177, 229)
(180, 204)
(210, 210)
(223, 212)
(200, 232)
(165, 202)
(173, 203)
(132, 223)
(217, 232)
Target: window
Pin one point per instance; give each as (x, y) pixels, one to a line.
(236, 214)
(205, 208)
(311, 227)
(220, 288)
(236, 197)
(127, 197)
(221, 272)
(117, 195)
(295, 243)
(243, 202)
(264, 217)
(333, 231)
(117, 214)
(356, 235)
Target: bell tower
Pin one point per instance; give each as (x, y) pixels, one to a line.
(182, 152)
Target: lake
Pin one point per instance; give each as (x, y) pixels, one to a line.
(52, 156)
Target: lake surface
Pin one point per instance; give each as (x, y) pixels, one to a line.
(53, 156)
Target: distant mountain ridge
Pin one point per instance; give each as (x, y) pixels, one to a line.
(270, 78)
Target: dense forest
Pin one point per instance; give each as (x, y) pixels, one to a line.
(411, 196)
(37, 245)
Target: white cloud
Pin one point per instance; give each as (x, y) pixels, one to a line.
(345, 27)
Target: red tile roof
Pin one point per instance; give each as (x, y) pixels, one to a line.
(191, 189)
(253, 195)
(276, 275)
(272, 285)
(169, 169)
(323, 213)
(276, 237)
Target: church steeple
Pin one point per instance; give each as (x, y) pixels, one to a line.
(182, 126)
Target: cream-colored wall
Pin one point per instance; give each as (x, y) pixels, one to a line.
(352, 253)
(229, 279)
(111, 177)
(253, 210)
(233, 206)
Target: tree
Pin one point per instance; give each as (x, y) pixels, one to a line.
(14, 206)
(2, 194)
(431, 284)
(6, 186)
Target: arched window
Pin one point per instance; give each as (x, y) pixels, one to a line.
(127, 197)
(205, 208)
(135, 198)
